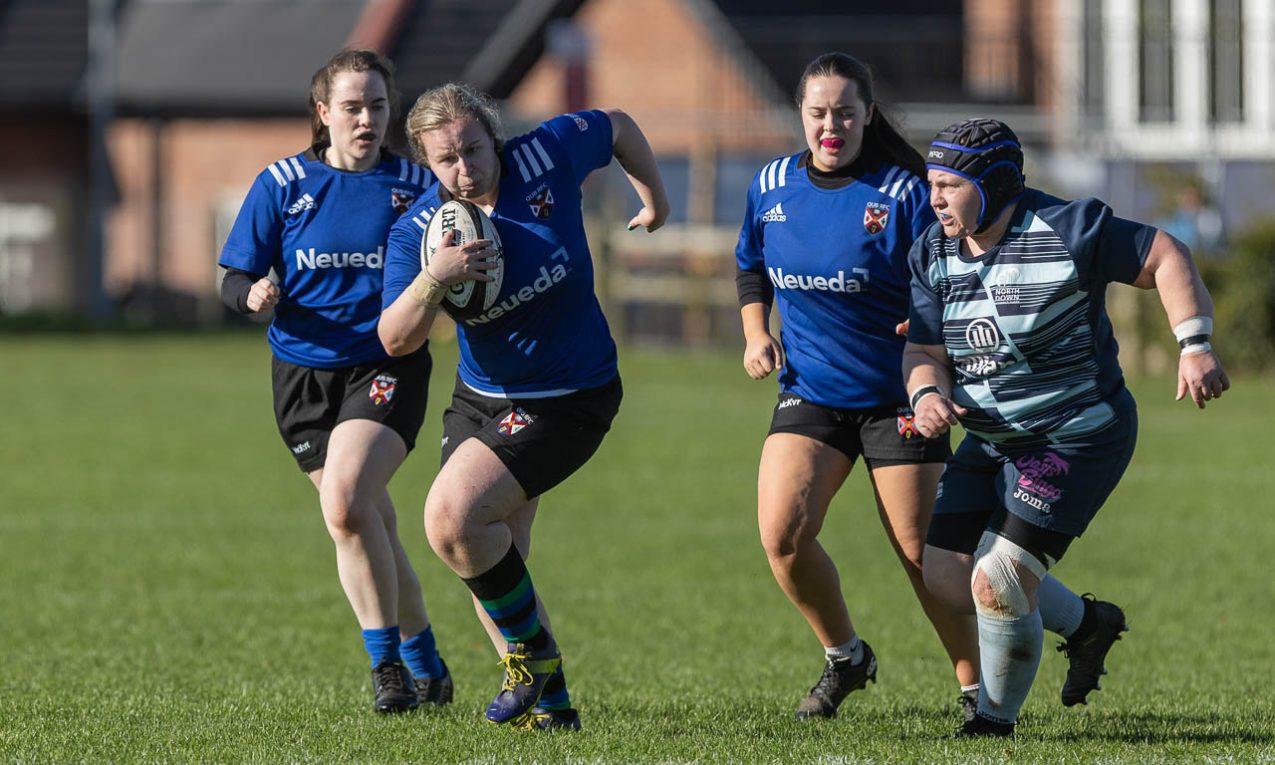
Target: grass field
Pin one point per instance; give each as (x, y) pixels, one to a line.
(168, 592)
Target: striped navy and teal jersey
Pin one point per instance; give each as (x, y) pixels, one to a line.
(1025, 325)
(323, 231)
(546, 334)
(838, 261)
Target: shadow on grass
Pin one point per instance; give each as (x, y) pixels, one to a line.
(1166, 728)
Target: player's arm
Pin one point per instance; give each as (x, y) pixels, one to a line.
(928, 379)
(246, 293)
(405, 323)
(763, 354)
(1168, 268)
(634, 154)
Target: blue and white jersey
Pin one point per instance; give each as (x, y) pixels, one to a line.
(545, 335)
(1025, 325)
(323, 232)
(838, 261)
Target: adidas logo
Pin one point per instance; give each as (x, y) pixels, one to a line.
(774, 214)
(306, 202)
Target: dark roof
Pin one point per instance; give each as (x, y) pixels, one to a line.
(490, 44)
(43, 50)
(914, 47)
(216, 57)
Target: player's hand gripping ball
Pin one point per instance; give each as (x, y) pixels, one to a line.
(467, 299)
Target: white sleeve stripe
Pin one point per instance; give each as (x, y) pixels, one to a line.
(297, 166)
(287, 171)
(889, 178)
(908, 189)
(783, 171)
(522, 166)
(770, 174)
(894, 190)
(421, 221)
(278, 176)
(531, 159)
(544, 156)
(402, 169)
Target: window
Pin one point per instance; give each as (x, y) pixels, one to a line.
(1226, 61)
(1155, 60)
(1094, 68)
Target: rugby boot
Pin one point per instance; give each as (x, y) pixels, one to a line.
(525, 674)
(1086, 652)
(540, 718)
(839, 678)
(393, 688)
(435, 691)
(969, 704)
(981, 727)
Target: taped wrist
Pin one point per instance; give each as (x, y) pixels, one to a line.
(922, 392)
(1193, 335)
(426, 290)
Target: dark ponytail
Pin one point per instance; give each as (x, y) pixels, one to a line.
(881, 139)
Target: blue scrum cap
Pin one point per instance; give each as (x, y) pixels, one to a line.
(986, 152)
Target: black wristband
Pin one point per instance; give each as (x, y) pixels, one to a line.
(924, 390)
(1193, 340)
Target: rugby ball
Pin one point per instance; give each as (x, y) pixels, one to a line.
(467, 299)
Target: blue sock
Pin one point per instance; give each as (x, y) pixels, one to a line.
(555, 695)
(1060, 609)
(1008, 655)
(382, 644)
(421, 655)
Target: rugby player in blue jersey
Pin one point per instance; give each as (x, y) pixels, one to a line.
(538, 385)
(825, 238)
(348, 412)
(1009, 337)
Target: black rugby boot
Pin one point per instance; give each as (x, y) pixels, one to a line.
(435, 691)
(839, 678)
(393, 688)
(981, 727)
(1087, 648)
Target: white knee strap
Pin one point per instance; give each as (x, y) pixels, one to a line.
(995, 557)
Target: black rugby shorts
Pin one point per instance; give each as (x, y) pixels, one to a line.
(309, 402)
(884, 435)
(542, 441)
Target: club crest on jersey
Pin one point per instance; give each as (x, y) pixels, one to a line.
(514, 422)
(906, 422)
(541, 201)
(382, 389)
(400, 200)
(875, 216)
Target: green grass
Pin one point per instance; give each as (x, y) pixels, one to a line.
(168, 592)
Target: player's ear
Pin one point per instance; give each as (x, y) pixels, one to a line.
(325, 115)
(870, 114)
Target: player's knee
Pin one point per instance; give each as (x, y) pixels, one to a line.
(1005, 578)
(444, 526)
(342, 511)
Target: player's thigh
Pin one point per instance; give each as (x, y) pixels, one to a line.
(968, 495)
(543, 441)
(474, 487)
(362, 457)
(905, 500)
(796, 481)
(307, 403)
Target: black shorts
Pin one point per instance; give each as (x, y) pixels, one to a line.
(308, 402)
(884, 435)
(541, 441)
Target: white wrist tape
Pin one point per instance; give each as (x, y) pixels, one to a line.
(1196, 325)
(1201, 347)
